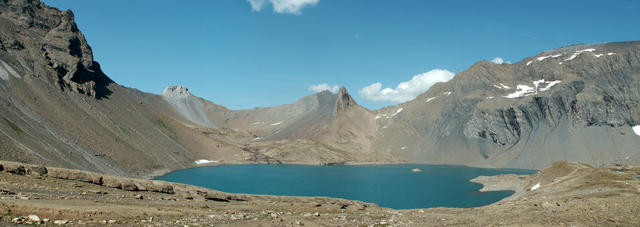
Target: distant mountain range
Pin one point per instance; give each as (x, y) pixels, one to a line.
(576, 103)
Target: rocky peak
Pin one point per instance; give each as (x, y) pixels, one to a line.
(344, 101)
(51, 37)
(176, 92)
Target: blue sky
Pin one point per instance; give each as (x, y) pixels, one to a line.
(239, 55)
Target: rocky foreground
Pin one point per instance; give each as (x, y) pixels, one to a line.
(565, 194)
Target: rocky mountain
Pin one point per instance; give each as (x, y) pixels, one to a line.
(60, 109)
(576, 103)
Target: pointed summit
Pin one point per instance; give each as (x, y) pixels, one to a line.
(345, 101)
(176, 92)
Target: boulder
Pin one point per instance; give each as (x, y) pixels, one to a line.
(15, 168)
(37, 170)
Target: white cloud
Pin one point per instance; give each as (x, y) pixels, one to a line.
(407, 90)
(256, 5)
(283, 6)
(499, 60)
(323, 87)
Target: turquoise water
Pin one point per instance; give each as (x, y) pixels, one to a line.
(394, 186)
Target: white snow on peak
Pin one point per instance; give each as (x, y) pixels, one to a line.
(405, 147)
(578, 52)
(277, 123)
(610, 53)
(636, 129)
(490, 97)
(429, 99)
(524, 90)
(536, 186)
(541, 58)
(538, 82)
(447, 93)
(598, 55)
(521, 90)
(397, 111)
(548, 56)
(204, 161)
(550, 84)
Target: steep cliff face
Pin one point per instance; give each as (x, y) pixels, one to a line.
(575, 103)
(59, 109)
(41, 38)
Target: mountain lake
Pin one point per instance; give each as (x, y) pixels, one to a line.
(398, 186)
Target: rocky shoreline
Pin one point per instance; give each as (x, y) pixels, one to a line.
(566, 194)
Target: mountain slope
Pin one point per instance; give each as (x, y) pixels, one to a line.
(575, 103)
(59, 108)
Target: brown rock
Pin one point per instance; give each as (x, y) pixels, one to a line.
(15, 168)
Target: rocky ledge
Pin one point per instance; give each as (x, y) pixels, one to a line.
(564, 194)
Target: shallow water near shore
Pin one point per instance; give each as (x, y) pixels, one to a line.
(398, 186)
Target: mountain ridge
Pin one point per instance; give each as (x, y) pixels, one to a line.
(576, 103)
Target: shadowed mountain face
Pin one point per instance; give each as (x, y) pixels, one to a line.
(576, 103)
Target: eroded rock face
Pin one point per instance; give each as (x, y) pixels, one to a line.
(37, 35)
(596, 91)
(176, 92)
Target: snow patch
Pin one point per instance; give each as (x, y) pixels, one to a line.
(397, 111)
(529, 62)
(447, 93)
(257, 122)
(405, 147)
(277, 123)
(504, 86)
(550, 84)
(524, 90)
(521, 90)
(535, 187)
(636, 129)
(610, 53)
(490, 97)
(429, 99)
(204, 161)
(598, 55)
(548, 56)
(389, 116)
(575, 54)
(257, 138)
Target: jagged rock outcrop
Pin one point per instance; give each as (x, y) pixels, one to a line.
(45, 39)
(59, 109)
